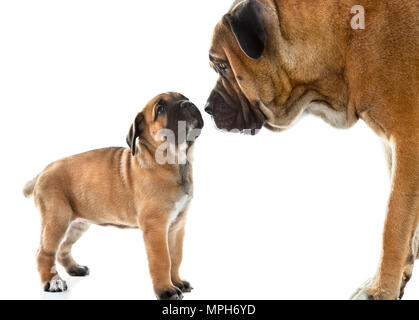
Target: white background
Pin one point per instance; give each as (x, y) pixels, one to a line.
(289, 215)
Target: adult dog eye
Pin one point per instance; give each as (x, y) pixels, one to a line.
(222, 67)
(160, 110)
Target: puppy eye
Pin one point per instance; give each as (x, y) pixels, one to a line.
(161, 110)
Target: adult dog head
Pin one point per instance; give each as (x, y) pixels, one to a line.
(275, 61)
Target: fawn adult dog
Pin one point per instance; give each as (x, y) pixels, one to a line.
(280, 59)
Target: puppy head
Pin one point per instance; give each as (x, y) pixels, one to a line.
(168, 117)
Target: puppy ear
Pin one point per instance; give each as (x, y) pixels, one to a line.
(135, 131)
(246, 24)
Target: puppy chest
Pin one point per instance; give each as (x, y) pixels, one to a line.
(179, 206)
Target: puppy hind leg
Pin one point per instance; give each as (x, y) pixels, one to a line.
(54, 227)
(65, 258)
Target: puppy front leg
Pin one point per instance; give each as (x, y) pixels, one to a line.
(155, 238)
(176, 235)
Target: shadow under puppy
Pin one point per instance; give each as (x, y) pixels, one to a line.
(146, 186)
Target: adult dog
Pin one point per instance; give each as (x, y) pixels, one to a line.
(279, 59)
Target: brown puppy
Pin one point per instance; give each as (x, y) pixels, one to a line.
(279, 59)
(136, 187)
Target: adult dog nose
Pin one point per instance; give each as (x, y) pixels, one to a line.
(208, 108)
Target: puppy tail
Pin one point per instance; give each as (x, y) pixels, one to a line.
(29, 187)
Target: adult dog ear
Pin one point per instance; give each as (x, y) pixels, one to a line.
(135, 131)
(247, 26)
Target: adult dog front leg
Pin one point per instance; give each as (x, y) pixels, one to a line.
(400, 226)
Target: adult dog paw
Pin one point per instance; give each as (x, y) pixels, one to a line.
(368, 292)
(361, 293)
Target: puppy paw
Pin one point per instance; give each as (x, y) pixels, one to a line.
(172, 293)
(184, 286)
(78, 271)
(56, 285)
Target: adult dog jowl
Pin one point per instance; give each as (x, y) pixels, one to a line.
(278, 60)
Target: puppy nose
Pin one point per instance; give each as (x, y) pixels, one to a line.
(208, 108)
(186, 104)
